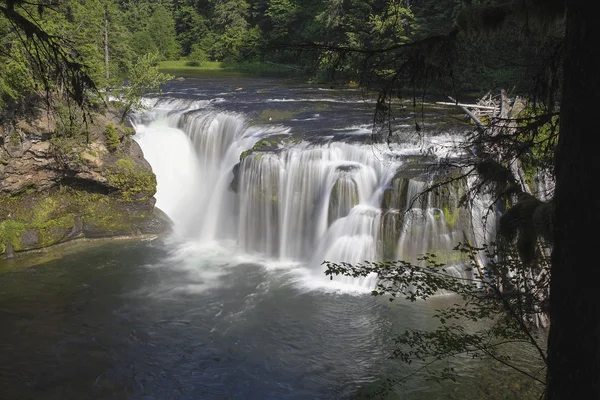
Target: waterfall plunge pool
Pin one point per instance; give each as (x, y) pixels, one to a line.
(161, 320)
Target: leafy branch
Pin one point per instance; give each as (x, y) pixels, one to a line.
(481, 325)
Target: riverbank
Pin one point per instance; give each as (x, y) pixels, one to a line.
(182, 68)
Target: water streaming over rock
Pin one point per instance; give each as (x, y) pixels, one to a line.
(295, 199)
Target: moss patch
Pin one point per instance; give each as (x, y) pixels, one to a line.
(271, 144)
(131, 179)
(35, 220)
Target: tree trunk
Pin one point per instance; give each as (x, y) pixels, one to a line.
(106, 67)
(574, 342)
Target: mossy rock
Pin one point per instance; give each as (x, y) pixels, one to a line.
(132, 180)
(33, 220)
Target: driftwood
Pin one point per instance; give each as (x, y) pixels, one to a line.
(446, 103)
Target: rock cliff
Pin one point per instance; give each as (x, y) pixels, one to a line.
(58, 185)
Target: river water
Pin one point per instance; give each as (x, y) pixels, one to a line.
(231, 306)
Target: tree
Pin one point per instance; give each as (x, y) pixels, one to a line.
(161, 28)
(574, 342)
(497, 318)
(52, 60)
(231, 27)
(142, 43)
(281, 15)
(16, 81)
(191, 28)
(99, 35)
(143, 78)
(197, 56)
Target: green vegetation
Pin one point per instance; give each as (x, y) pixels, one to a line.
(134, 182)
(189, 68)
(31, 220)
(112, 137)
(197, 56)
(171, 66)
(283, 37)
(495, 320)
(144, 77)
(451, 216)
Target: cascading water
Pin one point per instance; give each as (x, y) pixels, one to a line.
(297, 188)
(219, 178)
(177, 170)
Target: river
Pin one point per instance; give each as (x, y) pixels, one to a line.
(234, 304)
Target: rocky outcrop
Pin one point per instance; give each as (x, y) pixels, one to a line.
(57, 188)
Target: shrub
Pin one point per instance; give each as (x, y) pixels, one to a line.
(197, 56)
(112, 136)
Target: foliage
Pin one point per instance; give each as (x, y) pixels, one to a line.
(53, 61)
(197, 56)
(191, 28)
(230, 20)
(143, 78)
(496, 309)
(142, 43)
(16, 80)
(132, 180)
(161, 29)
(112, 137)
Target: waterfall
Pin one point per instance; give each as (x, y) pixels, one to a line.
(221, 178)
(259, 204)
(171, 155)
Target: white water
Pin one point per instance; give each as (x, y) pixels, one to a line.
(177, 170)
(301, 203)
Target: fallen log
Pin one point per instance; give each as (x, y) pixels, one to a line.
(479, 124)
(447, 103)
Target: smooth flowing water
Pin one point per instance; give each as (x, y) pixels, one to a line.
(234, 304)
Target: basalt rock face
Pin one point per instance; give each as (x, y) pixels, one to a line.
(55, 188)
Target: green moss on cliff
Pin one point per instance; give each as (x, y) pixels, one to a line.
(88, 180)
(133, 181)
(35, 220)
(106, 216)
(10, 234)
(35, 224)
